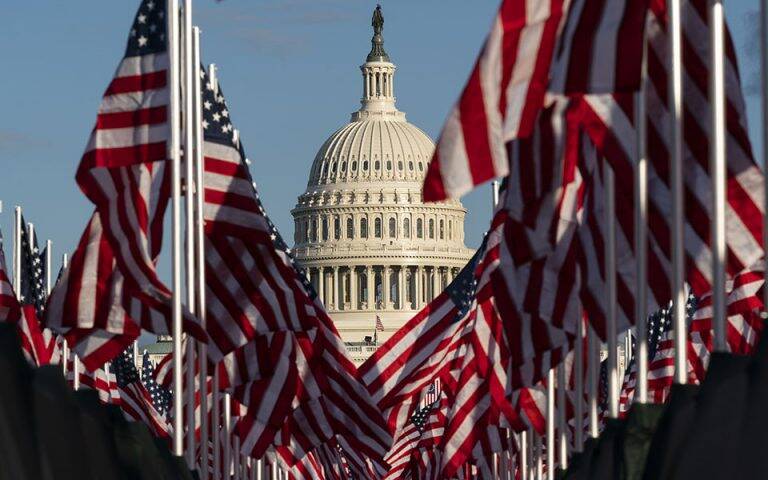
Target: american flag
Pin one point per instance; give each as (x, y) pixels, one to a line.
(32, 272)
(283, 356)
(101, 379)
(379, 325)
(161, 397)
(405, 452)
(9, 305)
(135, 400)
(111, 290)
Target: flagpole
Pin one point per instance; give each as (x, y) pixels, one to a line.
(216, 410)
(64, 345)
(561, 421)
(523, 455)
(17, 251)
(593, 364)
(189, 217)
(551, 423)
(610, 274)
(539, 459)
(227, 434)
(494, 194)
(173, 155)
(48, 266)
(578, 431)
(717, 169)
(764, 85)
(200, 247)
(641, 233)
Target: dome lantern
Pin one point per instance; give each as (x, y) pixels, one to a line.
(378, 75)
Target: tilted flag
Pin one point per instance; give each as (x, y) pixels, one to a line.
(266, 319)
(10, 310)
(161, 398)
(135, 400)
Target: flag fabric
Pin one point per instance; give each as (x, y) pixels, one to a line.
(102, 380)
(10, 310)
(379, 325)
(124, 170)
(135, 400)
(500, 100)
(161, 398)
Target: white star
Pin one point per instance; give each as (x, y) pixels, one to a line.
(205, 123)
(224, 113)
(150, 6)
(207, 105)
(219, 98)
(141, 18)
(216, 117)
(142, 41)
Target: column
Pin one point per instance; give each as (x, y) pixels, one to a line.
(337, 299)
(370, 298)
(435, 282)
(419, 282)
(353, 287)
(385, 287)
(321, 284)
(401, 288)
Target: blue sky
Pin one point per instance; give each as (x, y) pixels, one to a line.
(290, 72)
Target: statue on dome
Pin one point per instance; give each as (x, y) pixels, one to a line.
(377, 22)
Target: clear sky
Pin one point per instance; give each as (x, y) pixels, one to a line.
(290, 72)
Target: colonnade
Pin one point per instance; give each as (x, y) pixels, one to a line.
(379, 287)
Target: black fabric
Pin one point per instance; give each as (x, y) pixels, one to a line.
(19, 451)
(667, 443)
(137, 453)
(97, 427)
(606, 463)
(711, 446)
(581, 463)
(641, 423)
(58, 425)
(753, 460)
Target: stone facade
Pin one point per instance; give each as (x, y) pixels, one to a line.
(368, 243)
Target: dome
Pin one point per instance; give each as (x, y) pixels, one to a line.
(373, 148)
(373, 250)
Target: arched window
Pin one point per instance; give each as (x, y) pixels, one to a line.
(363, 228)
(314, 229)
(377, 227)
(406, 227)
(336, 227)
(325, 228)
(305, 226)
(350, 227)
(431, 228)
(392, 227)
(419, 228)
(442, 229)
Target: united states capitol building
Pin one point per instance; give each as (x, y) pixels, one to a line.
(369, 244)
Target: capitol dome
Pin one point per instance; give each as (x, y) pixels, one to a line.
(368, 243)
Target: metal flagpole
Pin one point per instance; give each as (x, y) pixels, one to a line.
(199, 245)
(578, 432)
(48, 266)
(641, 227)
(227, 435)
(173, 155)
(64, 345)
(610, 274)
(17, 251)
(189, 217)
(551, 423)
(676, 169)
(562, 426)
(539, 458)
(524, 455)
(495, 193)
(764, 66)
(216, 413)
(593, 364)
(717, 168)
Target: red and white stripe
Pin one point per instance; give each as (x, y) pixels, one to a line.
(38, 344)
(100, 380)
(500, 101)
(136, 403)
(9, 306)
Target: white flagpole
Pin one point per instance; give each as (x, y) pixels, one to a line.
(578, 436)
(495, 193)
(189, 217)
(524, 451)
(64, 345)
(173, 155)
(551, 423)
(562, 426)
(764, 66)
(48, 266)
(539, 458)
(717, 168)
(227, 434)
(199, 242)
(641, 235)
(676, 174)
(17, 251)
(216, 413)
(593, 364)
(610, 274)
